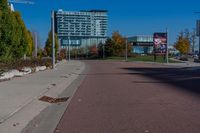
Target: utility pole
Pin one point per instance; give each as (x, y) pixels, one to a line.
(198, 32)
(167, 52)
(126, 50)
(53, 40)
(69, 47)
(103, 51)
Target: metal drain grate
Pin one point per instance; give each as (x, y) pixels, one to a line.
(53, 100)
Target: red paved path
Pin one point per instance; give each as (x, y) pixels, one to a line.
(115, 100)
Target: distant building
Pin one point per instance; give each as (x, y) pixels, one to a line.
(81, 28)
(142, 44)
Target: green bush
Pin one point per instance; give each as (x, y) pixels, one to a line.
(19, 64)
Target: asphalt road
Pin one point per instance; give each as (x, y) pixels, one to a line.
(125, 97)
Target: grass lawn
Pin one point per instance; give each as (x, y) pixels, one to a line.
(142, 58)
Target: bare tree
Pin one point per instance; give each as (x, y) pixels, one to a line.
(193, 39)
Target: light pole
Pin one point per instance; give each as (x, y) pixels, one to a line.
(167, 52)
(126, 49)
(103, 51)
(53, 40)
(66, 50)
(198, 32)
(69, 43)
(69, 46)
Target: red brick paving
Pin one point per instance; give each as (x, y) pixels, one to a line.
(114, 100)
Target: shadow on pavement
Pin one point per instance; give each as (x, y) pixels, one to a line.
(185, 78)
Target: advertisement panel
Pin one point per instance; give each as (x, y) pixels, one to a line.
(160, 43)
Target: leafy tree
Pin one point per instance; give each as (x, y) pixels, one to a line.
(109, 47)
(92, 51)
(183, 43)
(115, 46)
(30, 43)
(20, 46)
(14, 36)
(100, 50)
(48, 45)
(119, 43)
(3, 5)
(7, 25)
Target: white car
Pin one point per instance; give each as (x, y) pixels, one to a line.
(195, 56)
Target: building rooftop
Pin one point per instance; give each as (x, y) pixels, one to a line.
(94, 10)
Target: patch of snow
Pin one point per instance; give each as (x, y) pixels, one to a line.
(15, 73)
(27, 70)
(8, 75)
(40, 68)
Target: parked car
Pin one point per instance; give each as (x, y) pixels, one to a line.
(195, 56)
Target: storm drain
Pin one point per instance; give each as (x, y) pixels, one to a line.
(53, 100)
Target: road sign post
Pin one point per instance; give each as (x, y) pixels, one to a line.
(53, 41)
(167, 50)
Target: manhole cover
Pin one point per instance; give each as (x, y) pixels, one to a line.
(53, 100)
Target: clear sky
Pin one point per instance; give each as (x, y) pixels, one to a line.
(129, 17)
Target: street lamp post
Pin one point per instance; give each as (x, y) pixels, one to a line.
(53, 41)
(69, 46)
(199, 48)
(126, 50)
(198, 32)
(167, 52)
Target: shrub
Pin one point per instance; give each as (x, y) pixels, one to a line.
(19, 64)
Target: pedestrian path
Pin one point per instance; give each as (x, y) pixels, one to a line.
(20, 92)
(184, 63)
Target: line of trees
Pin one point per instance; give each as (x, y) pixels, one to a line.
(114, 46)
(15, 40)
(185, 42)
(48, 45)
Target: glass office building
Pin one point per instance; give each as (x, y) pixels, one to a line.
(142, 44)
(82, 28)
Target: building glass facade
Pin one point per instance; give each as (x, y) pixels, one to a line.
(141, 44)
(83, 28)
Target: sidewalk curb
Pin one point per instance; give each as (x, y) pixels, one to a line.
(42, 123)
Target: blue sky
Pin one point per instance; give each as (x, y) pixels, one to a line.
(129, 17)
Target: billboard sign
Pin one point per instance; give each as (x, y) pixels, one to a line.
(160, 43)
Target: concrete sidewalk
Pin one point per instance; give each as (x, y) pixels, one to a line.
(184, 63)
(181, 65)
(18, 94)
